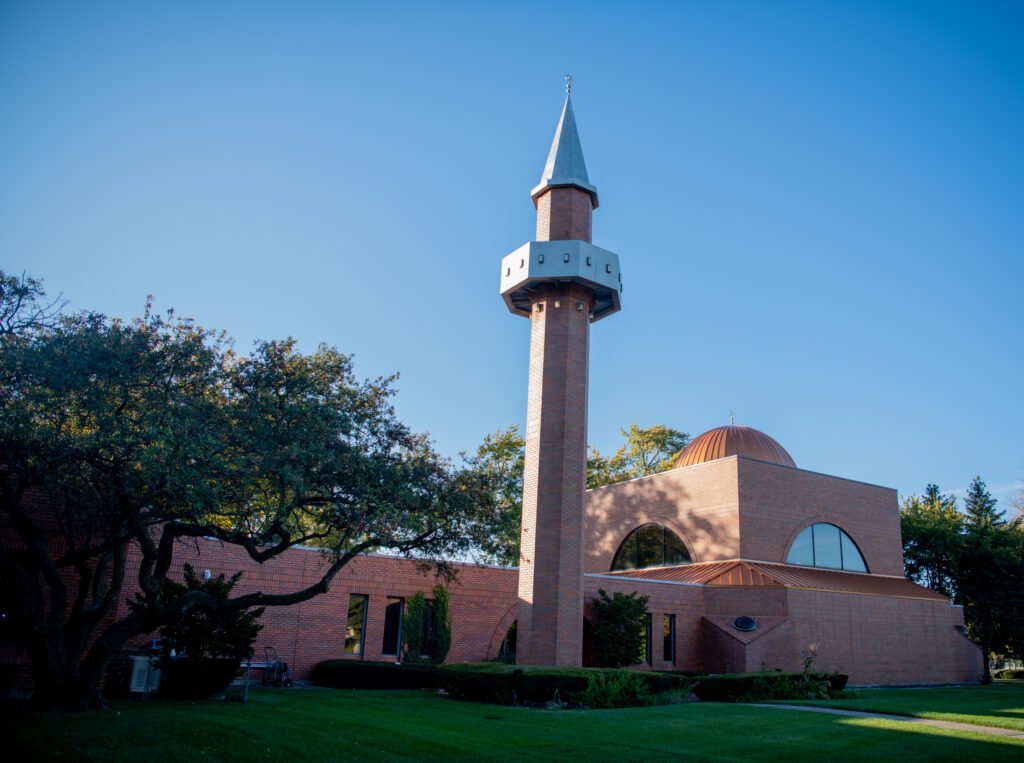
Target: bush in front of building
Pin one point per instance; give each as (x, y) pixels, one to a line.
(1009, 674)
(510, 685)
(618, 633)
(758, 687)
(427, 627)
(204, 646)
(501, 684)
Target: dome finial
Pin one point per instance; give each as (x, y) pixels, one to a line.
(731, 422)
(568, 84)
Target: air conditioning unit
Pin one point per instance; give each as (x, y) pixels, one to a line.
(145, 674)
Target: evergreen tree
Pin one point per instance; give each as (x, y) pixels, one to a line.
(619, 631)
(932, 539)
(985, 572)
(976, 557)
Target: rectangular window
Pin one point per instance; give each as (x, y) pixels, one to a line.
(356, 625)
(392, 627)
(648, 652)
(668, 627)
(428, 628)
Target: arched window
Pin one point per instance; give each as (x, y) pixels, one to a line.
(825, 545)
(650, 545)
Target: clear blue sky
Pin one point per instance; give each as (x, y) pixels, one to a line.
(819, 206)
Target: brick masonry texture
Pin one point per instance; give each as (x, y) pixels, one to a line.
(564, 214)
(875, 639)
(550, 594)
(308, 633)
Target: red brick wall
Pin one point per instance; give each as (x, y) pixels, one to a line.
(307, 633)
(700, 503)
(777, 502)
(883, 640)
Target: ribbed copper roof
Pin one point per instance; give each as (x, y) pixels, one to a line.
(765, 574)
(733, 440)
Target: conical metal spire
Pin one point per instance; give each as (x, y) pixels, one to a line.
(565, 165)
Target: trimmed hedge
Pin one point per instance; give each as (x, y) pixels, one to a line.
(509, 684)
(357, 674)
(502, 684)
(1009, 673)
(755, 687)
(496, 683)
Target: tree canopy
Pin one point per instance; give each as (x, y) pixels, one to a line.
(144, 433)
(975, 556)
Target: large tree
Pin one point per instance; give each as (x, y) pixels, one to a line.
(975, 556)
(645, 451)
(143, 434)
(989, 575)
(932, 539)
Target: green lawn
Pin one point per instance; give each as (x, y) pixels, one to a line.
(326, 724)
(1001, 704)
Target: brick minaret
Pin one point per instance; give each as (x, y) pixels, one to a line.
(562, 283)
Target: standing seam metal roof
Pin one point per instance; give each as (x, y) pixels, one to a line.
(769, 574)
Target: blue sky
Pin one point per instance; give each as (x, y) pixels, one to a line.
(819, 207)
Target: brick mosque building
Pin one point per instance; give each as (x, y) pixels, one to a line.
(747, 559)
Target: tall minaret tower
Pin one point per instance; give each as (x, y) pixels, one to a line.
(562, 283)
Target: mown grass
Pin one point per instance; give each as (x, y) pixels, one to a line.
(1000, 704)
(325, 724)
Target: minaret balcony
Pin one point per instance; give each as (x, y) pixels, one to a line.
(538, 263)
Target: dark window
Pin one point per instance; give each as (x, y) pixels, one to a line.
(625, 557)
(507, 653)
(428, 628)
(392, 627)
(356, 625)
(825, 545)
(668, 629)
(650, 545)
(648, 650)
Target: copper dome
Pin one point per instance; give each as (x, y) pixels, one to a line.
(733, 441)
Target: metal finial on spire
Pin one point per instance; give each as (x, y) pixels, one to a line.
(568, 84)
(731, 422)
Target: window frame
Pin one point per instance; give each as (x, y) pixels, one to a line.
(630, 546)
(391, 602)
(668, 630)
(360, 645)
(862, 568)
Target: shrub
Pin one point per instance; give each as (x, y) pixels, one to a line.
(413, 627)
(442, 641)
(207, 631)
(1009, 673)
(209, 641)
(757, 687)
(616, 690)
(619, 630)
(504, 684)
